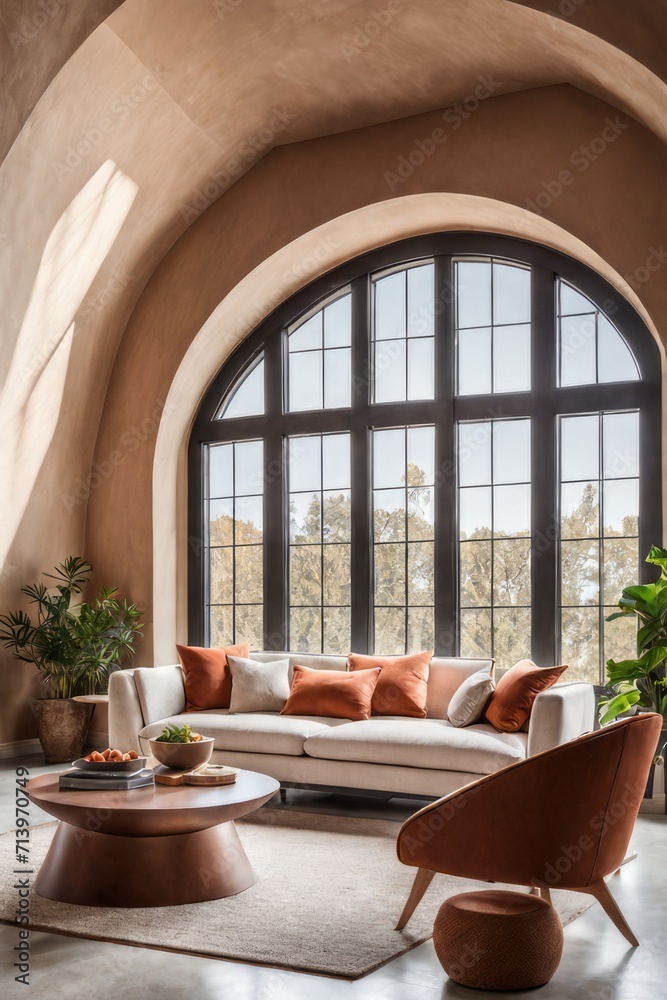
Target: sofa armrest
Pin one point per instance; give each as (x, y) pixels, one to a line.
(125, 716)
(161, 692)
(560, 714)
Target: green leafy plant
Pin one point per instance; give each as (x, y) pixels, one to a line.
(172, 734)
(641, 682)
(75, 646)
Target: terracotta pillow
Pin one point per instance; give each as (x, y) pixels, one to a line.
(511, 703)
(401, 689)
(331, 693)
(208, 679)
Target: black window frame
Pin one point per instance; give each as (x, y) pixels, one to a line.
(543, 403)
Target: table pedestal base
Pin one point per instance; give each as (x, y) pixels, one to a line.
(97, 869)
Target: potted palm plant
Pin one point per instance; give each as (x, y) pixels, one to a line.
(75, 646)
(641, 682)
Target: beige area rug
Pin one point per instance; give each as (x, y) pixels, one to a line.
(328, 894)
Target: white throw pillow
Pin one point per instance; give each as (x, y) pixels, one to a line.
(468, 701)
(258, 687)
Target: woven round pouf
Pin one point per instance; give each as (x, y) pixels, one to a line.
(498, 940)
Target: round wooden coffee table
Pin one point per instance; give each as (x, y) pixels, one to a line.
(155, 846)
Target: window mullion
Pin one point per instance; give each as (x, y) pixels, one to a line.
(276, 551)
(445, 547)
(361, 529)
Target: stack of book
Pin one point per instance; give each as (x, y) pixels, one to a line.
(99, 781)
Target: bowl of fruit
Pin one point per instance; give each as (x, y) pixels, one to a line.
(179, 747)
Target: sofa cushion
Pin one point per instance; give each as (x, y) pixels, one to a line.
(332, 693)
(431, 743)
(264, 732)
(401, 689)
(468, 702)
(258, 687)
(208, 680)
(511, 703)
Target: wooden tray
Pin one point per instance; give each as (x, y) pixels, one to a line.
(197, 776)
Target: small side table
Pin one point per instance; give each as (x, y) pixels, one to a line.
(98, 731)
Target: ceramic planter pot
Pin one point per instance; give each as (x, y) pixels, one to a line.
(62, 727)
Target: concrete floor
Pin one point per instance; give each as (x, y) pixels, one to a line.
(597, 963)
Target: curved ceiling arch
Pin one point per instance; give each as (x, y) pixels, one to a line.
(276, 279)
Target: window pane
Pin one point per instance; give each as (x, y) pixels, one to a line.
(420, 573)
(511, 294)
(511, 572)
(337, 378)
(580, 583)
(221, 522)
(620, 445)
(572, 301)
(620, 637)
(473, 288)
(621, 507)
(338, 323)
(221, 578)
(579, 510)
(474, 361)
(511, 451)
(511, 635)
(336, 511)
(421, 296)
(221, 470)
(389, 458)
(580, 447)
(304, 517)
(580, 644)
(304, 463)
(389, 631)
(511, 359)
(577, 350)
(511, 510)
(308, 336)
(249, 574)
(615, 360)
(249, 517)
(221, 625)
(389, 574)
(476, 633)
(621, 567)
(248, 467)
(421, 456)
(336, 575)
(247, 397)
(421, 630)
(475, 573)
(305, 381)
(420, 368)
(475, 512)
(421, 513)
(390, 307)
(389, 515)
(305, 630)
(390, 371)
(336, 461)
(250, 624)
(474, 454)
(336, 630)
(306, 574)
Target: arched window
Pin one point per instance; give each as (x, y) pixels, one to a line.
(451, 443)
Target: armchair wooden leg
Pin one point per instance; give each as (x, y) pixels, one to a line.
(545, 894)
(610, 906)
(421, 883)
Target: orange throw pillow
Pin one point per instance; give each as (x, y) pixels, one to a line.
(331, 693)
(401, 689)
(511, 703)
(208, 679)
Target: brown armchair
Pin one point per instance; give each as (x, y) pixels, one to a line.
(559, 820)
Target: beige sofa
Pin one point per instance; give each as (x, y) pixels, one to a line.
(392, 754)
